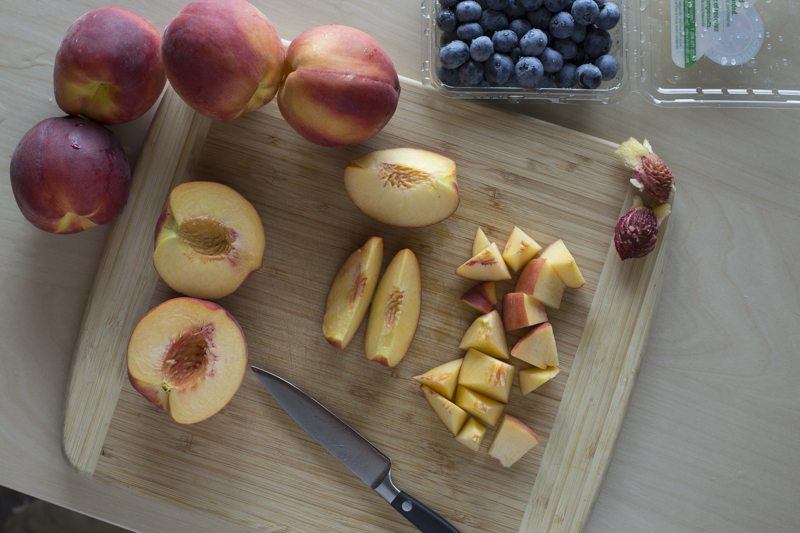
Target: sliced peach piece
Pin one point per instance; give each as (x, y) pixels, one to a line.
(486, 334)
(531, 379)
(481, 297)
(471, 435)
(208, 240)
(487, 375)
(442, 379)
(521, 310)
(512, 441)
(351, 292)
(403, 187)
(486, 265)
(519, 249)
(564, 264)
(481, 407)
(452, 415)
(480, 241)
(539, 279)
(188, 357)
(395, 311)
(538, 347)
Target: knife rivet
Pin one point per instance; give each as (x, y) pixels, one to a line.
(407, 506)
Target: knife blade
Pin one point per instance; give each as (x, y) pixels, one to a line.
(355, 452)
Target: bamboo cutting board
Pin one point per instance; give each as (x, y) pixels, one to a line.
(251, 464)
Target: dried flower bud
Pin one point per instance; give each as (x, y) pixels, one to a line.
(650, 173)
(636, 233)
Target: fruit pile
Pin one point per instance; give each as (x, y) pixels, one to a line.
(526, 43)
(479, 384)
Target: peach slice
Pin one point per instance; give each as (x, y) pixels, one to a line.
(351, 292)
(395, 311)
(531, 379)
(539, 279)
(452, 415)
(481, 297)
(481, 407)
(188, 357)
(471, 435)
(486, 375)
(208, 240)
(487, 335)
(442, 378)
(564, 264)
(538, 347)
(403, 187)
(486, 265)
(521, 310)
(520, 248)
(512, 441)
(480, 242)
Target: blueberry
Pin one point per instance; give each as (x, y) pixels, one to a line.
(520, 27)
(561, 25)
(607, 65)
(448, 76)
(454, 54)
(584, 11)
(531, 5)
(447, 37)
(540, 18)
(497, 5)
(580, 58)
(578, 34)
(556, 6)
(446, 20)
(533, 43)
(481, 49)
(608, 16)
(589, 76)
(547, 82)
(566, 48)
(504, 41)
(529, 71)
(515, 9)
(470, 73)
(468, 11)
(565, 78)
(498, 69)
(448, 3)
(469, 31)
(597, 43)
(516, 53)
(494, 20)
(551, 60)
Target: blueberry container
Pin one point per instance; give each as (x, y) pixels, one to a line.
(674, 52)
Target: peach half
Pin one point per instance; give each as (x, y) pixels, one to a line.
(395, 309)
(188, 357)
(351, 292)
(208, 240)
(403, 187)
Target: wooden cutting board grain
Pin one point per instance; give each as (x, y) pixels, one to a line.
(250, 463)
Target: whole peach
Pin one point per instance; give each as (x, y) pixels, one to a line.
(69, 174)
(223, 57)
(341, 87)
(108, 67)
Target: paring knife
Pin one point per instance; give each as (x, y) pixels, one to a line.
(352, 450)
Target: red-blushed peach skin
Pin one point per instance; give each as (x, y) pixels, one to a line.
(108, 67)
(223, 57)
(69, 174)
(341, 87)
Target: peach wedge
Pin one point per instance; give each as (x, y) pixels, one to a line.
(521, 310)
(564, 264)
(481, 407)
(520, 248)
(531, 379)
(403, 187)
(539, 279)
(480, 242)
(452, 415)
(487, 335)
(395, 311)
(188, 357)
(471, 435)
(486, 265)
(512, 441)
(486, 375)
(442, 378)
(351, 292)
(481, 297)
(208, 241)
(538, 347)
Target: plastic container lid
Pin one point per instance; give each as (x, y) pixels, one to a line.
(678, 53)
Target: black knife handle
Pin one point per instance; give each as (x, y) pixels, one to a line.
(423, 517)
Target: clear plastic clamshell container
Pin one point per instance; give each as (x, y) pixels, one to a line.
(677, 53)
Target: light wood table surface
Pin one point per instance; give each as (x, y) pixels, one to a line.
(711, 441)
